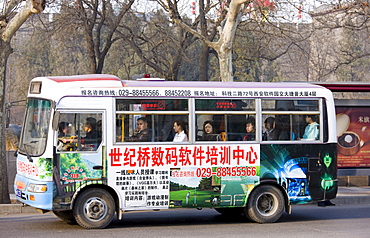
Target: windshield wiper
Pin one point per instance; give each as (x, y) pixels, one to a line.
(28, 155)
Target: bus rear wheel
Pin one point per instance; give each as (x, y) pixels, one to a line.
(94, 209)
(265, 204)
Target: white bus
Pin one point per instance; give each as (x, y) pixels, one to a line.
(93, 146)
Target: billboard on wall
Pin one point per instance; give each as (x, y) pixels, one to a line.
(353, 131)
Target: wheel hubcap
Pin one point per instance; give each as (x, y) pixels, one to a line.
(266, 204)
(95, 209)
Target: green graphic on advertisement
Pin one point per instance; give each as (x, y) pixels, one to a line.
(327, 160)
(327, 182)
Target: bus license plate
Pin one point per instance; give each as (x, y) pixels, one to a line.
(18, 193)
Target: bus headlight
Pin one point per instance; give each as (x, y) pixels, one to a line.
(37, 188)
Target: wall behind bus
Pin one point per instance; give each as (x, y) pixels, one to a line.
(11, 161)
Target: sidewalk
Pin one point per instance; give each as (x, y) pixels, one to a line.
(345, 195)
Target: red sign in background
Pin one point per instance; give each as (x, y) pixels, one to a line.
(353, 142)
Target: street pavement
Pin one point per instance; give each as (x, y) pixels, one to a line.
(345, 195)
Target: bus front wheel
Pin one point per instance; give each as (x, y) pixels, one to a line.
(265, 204)
(94, 209)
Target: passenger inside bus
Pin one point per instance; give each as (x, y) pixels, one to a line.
(312, 129)
(93, 137)
(63, 133)
(165, 122)
(209, 132)
(64, 129)
(179, 126)
(91, 141)
(141, 132)
(250, 129)
(269, 129)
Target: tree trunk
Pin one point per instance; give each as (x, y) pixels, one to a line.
(225, 61)
(204, 54)
(5, 50)
(7, 30)
(203, 63)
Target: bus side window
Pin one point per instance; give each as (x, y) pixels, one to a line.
(79, 131)
(158, 115)
(289, 122)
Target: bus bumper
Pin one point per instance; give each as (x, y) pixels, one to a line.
(38, 194)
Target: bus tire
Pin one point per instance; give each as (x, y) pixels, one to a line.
(265, 204)
(65, 215)
(94, 209)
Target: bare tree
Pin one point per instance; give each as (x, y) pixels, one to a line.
(100, 23)
(155, 44)
(226, 31)
(10, 21)
(341, 49)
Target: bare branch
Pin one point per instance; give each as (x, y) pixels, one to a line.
(31, 7)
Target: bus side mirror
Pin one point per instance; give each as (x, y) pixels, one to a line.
(55, 124)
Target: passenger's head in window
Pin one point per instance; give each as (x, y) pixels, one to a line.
(90, 124)
(250, 129)
(311, 119)
(179, 126)
(141, 132)
(208, 127)
(270, 128)
(312, 129)
(209, 133)
(142, 124)
(63, 129)
(270, 123)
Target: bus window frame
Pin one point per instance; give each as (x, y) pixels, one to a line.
(321, 110)
(59, 111)
(147, 114)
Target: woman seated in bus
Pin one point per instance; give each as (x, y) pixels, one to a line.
(209, 133)
(63, 134)
(63, 129)
(312, 129)
(179, 126)
(269, 133)
(250, 129)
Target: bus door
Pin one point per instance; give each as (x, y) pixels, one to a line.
(79, 151)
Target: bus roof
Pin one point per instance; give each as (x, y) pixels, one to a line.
(109, 85)
(113, 81)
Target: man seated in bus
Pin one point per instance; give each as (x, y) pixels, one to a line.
(250, 129)
(141, 132)
(92, 137)
(312, 129)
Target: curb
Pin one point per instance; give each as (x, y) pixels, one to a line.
(342, 200)
(6, 209)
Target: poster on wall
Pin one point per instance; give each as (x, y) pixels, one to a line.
(353, 131)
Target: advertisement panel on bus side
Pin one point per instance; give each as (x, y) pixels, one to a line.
(160, 177)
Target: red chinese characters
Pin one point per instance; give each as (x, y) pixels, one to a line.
(184, 156)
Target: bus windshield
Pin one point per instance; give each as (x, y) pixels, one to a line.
(34, 134)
